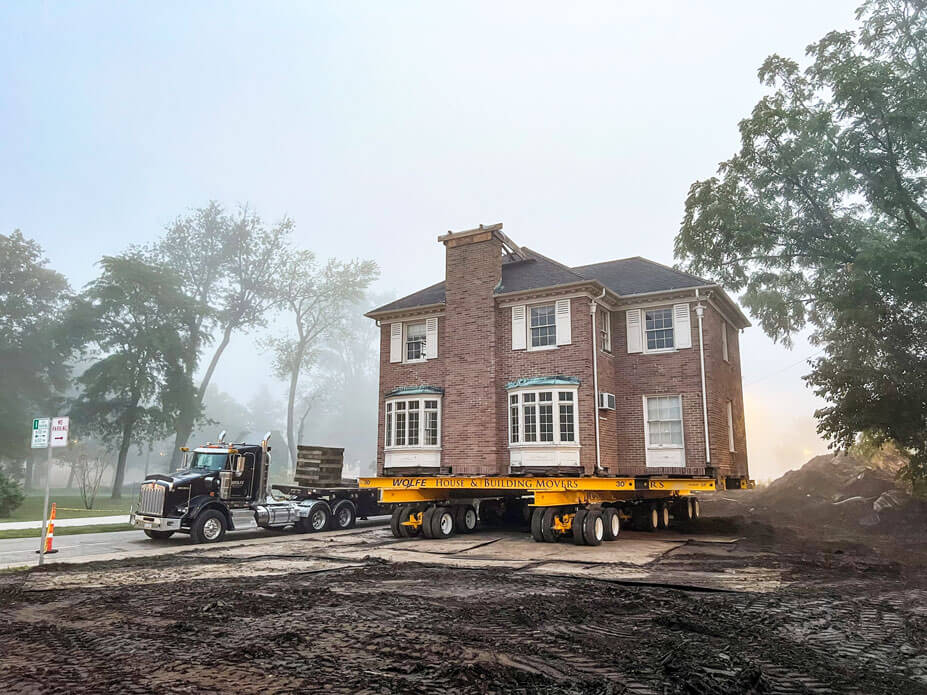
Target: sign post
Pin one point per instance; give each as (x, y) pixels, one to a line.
(48, 433)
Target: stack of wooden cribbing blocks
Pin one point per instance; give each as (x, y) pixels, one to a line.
(319, 466)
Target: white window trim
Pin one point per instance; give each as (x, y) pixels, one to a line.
(682, 424)
(405, 337)
(657, 351)
(528, 308)
(555, 391)
(607, 331)
(421, 422)
(730, 427)
(725, 346)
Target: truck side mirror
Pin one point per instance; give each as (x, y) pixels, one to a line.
(239, 465)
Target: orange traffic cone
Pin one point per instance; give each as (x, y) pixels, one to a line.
(50, 532)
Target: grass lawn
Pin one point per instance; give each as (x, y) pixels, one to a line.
(64, 531)
(70, 506)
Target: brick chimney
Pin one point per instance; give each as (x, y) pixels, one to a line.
(473, 271)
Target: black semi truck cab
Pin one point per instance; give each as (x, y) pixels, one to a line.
(223, 487)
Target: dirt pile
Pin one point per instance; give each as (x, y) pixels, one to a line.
(842, 489)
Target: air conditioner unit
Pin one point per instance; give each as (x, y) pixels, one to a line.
(606, 400)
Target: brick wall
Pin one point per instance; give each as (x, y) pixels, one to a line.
(608, 422)
(639, 374)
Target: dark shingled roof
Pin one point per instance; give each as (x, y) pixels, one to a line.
(638, 275)
(626, 276)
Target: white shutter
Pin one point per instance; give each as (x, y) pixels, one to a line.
(564, 329)
(724, 353)
(431, 338)
(395, 342)
(634, 330)
(682, 330)
(730, 426)
(519, 330)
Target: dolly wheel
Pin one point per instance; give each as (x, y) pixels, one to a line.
(426, 521)
(612, 523)
(442, 522)
(547, 524)
(696, 508)
(663, 516)
(685, 508)
(593, 527)
(579, 521)
(537, 519)
(395, 521)
(465, 518)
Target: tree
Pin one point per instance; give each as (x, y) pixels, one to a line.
(137, 319)
(821, 220)
(317, 300)
(228, 264)
(33, 349)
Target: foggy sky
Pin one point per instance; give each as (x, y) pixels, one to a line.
(378, 126)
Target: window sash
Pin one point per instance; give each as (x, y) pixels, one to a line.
(543, 417)
(415, 342)
(607, 331)
(658, 329)
(664, 422)
(543, 325)
(413, 422)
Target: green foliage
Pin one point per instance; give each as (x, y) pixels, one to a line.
(821, 220)
(136, 320)
(11, 496)
(33, 349)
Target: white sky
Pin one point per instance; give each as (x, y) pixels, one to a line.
(378, 126)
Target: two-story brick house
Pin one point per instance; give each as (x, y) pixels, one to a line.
(517, 364)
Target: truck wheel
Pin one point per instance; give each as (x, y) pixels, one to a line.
(442, 523)
(426, 521)
(465, 518)
(547, 524)
(158, 535)
(593, 527)
(344, 515)
(663, 517)
(209, 527)
(537, 518)
(579, 521)
(612, 523)
(317, 519)
(395, 521)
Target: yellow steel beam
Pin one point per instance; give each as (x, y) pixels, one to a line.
(463, 484)
(388, 495)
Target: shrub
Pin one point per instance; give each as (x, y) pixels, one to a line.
(11, 495)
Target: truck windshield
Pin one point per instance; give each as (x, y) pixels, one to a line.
(212, 462)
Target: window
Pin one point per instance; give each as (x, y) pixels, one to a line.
(724, 354)
(658, 329)
(664, 421)
(607, 331)
(730, 426)
(543, 326)
(415, 342)
(542, 417)
(413, 422)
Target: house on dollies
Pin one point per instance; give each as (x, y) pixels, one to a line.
(519, 365)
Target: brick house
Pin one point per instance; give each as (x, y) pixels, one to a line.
(517, 364)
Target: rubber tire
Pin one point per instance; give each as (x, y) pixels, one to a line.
(612, 524)
(663, 516)
(395, 521)
(684, 509)
(547, 524)
(537, 518)
(439, 515)
(306, 522)
(696, 508)
(579, 521)
(593, 528)
(158, 535)
(461, 514)
(646, 518)
(338, 511)
(196, 530)
(427, 516)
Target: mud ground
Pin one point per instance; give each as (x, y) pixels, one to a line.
(829, 612)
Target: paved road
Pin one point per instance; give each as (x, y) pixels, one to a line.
(21, 551)
(61, 523)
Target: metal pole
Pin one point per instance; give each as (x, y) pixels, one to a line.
(45, 506)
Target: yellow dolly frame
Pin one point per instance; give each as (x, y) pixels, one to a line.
(589, 509)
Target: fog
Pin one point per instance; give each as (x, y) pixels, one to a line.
(378, 126)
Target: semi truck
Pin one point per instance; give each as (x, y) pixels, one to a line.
(225, 487)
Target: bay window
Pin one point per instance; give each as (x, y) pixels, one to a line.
(413, 423)
(543, 417)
